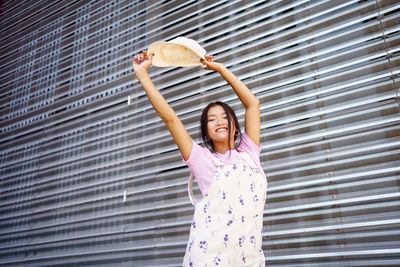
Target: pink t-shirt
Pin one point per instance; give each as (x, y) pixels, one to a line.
(201, 164)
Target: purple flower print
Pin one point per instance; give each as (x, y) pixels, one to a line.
(203, 245)
(241, 201)
(217, 260)
(255, 198)
(234, 166)
(206, 206)
(230, 210)
(227, 173)
(242, 219)
(243, 258)
(208, 219)
(194, 224)
(223, 195)
(190, 246)
(226, 239)
(229, 222)
(252, 187)
(252, 239)
(241, 240)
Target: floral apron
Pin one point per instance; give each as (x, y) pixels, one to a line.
(227, 223)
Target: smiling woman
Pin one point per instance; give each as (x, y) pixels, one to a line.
(218, 117)
(227, 223)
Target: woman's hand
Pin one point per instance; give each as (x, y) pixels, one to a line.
(208, 64)
(142, 62)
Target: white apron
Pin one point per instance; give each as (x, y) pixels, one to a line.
(227, 223)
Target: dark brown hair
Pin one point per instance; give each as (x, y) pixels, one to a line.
(231, 116)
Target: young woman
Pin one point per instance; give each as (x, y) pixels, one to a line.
(227, 223)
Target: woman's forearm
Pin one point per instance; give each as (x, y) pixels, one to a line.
(141, 63)
(249, 101)
(247, 98)
(158, 102)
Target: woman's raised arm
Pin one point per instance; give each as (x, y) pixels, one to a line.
(248, 99)
(141, 63)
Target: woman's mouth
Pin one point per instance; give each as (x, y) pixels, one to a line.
(222, 129)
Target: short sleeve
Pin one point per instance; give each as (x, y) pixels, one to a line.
(248, 145)
(201, 164)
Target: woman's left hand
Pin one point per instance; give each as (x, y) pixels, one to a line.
(208, 64)
(142, 62)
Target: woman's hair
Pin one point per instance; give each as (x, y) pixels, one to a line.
(231, 116)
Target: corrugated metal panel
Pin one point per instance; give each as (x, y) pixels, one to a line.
(87, 179)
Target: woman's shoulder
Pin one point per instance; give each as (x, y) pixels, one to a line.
(248, 145)
(198, 152)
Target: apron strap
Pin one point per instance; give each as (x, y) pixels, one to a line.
(248, 159)
(192, 198)
(217, 161)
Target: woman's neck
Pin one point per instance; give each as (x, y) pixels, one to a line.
(222, 148)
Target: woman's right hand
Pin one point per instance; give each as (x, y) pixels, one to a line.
(209, 64)
(142, 62)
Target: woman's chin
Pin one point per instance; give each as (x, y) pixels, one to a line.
(221, 139)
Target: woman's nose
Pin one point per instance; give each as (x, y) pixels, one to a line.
(220, 121)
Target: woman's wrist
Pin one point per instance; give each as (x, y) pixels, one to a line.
(221, 68)
(141, 73)
(227, 74)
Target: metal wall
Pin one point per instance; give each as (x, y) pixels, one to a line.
(90, 175)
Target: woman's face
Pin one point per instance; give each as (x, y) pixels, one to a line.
(217, 125)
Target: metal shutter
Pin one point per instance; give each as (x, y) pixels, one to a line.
(90, 175)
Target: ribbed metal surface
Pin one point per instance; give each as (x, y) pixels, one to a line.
(88, 179)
